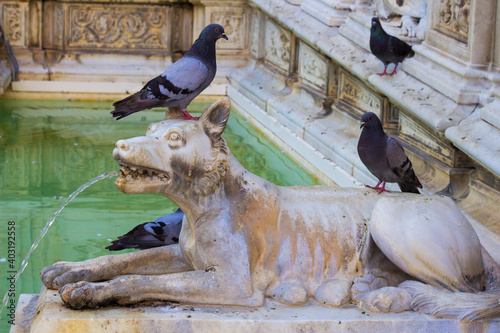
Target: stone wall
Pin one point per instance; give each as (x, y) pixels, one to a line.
(121, 42)
(311, 69)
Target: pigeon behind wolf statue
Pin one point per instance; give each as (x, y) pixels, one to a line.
(179, 84)
(384, 156)
(387, 48)
(164, 230)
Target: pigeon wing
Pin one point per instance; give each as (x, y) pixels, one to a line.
(399, 163)
(398, 47)
(178, 81)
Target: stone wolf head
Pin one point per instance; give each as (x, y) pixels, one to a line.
(177, 157)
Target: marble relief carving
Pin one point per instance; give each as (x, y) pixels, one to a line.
(13, 22)
(313, 68)
(233, 21)
(407, 18)
(118, 27)
(413, 134)
(255, 29)
(453, 18)
(391, 117)
(278, 46)
(357, 99)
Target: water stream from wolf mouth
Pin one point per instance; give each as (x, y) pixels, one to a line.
(47, 226)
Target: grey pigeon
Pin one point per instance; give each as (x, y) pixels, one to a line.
(179, 84)
(384, 156)
(164, 230)
(387, 48)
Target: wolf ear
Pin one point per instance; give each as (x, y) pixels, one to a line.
(215, 117)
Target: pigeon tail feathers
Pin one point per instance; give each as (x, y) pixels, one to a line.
(131, 104)
(409, 188)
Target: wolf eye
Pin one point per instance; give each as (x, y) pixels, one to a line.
(174, 137)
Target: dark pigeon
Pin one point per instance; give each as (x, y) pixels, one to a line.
(387, 48)
(164, 230)
(179, 84)
(384, 156)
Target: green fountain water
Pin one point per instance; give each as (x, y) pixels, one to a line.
(50, 148)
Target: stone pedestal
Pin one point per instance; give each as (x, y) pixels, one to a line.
(46, 313)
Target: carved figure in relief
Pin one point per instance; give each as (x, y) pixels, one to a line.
(409, 15)
(244, 239)
(454, 14)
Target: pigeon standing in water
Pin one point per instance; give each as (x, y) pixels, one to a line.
(384, 156)
(164, 230)
(179, 84)
(387, 48)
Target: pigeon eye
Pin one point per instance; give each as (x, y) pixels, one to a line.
(174, 137)
(216, 29)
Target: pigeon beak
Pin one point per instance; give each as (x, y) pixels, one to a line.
(224, 36)
(362, 124)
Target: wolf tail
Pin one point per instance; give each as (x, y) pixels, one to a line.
(447, 304)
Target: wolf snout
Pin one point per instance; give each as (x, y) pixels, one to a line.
(122, 144)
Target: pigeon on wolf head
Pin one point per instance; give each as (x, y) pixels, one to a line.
(387, 48)
(384, 156)
(179, 84)
(164, 230)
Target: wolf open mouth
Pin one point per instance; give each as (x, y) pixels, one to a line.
(131, 173)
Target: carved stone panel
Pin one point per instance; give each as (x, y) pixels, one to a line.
(279, 47)
(429, 143)
(14, 22)
(257, 23)
(118, 27)
(452, 18)
(233, 19)
(391, 117)
(356, 98)
(313, 68)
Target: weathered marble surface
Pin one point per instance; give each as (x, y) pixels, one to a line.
(272, 317)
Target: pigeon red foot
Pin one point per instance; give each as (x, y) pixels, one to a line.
(385, 71)
(188, 116)
(377, 187)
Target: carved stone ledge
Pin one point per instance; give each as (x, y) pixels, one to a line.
(479, 140)
(331, 13)
(259, 83)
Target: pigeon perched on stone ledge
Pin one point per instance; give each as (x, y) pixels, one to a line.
(164, 230)
(179, 84)
(387, 48)
(384, 156)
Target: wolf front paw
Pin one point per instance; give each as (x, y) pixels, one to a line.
(62, 273)
(81, 295)
(334, 292)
